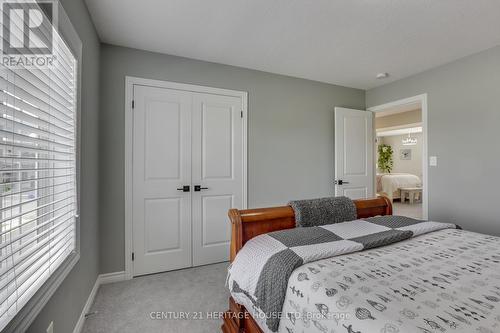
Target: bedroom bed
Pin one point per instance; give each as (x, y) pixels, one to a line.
(389, 184)
(441, 279)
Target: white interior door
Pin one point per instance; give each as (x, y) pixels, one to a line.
(217, 171)
(161, 165)
(353, 153)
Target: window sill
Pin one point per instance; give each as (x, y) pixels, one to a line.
(30, 311)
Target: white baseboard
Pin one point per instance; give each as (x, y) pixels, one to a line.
(101, 279)
(112, 277)
(86, 308)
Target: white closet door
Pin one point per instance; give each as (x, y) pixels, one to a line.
(161, 166)
(217, 169)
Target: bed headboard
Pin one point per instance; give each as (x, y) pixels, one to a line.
(248, 223)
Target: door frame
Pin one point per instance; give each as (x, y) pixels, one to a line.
(422, 99)
(130, 81)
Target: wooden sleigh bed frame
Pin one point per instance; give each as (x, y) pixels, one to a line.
(246, 224)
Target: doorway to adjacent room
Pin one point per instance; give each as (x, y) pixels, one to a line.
(400, 158)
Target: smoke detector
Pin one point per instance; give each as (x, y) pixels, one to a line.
(382, 76)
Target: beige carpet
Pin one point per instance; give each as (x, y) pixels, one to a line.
(127, 307)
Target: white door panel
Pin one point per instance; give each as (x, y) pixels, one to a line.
(217, 168)
(353, 192)
(353, 153)
(162, 223)
(213, 209)
(161, 164)
(183, 138)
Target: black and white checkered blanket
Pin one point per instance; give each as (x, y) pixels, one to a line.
(261, 270)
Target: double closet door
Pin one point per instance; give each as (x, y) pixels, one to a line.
(187, 173)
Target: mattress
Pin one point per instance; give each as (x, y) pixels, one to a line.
(446, 280)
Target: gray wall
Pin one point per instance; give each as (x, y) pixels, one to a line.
(464, 120)
(65, 306)
(290, 140)
(290, 143)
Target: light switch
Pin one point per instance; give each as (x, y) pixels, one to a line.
(433, 161)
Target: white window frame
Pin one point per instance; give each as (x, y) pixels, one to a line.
(25, 317)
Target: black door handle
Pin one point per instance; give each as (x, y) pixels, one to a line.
(340, 182)
(198, 188)
(184, 188)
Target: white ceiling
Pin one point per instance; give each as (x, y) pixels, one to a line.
(345, 42)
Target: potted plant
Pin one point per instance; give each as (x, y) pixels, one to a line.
(385, 161)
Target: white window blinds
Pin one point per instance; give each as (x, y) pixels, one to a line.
(38, 203)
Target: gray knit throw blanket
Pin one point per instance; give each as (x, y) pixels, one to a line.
(315, 212)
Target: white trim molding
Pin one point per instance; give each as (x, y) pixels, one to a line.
(112, 277)
(86, 308)
(101, 279)
(422, 99)
(130, 81)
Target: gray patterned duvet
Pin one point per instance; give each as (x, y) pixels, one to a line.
(441, 280)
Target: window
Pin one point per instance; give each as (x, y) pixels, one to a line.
(38, 199)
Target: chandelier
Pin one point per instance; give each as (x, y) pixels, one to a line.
(409, 141)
